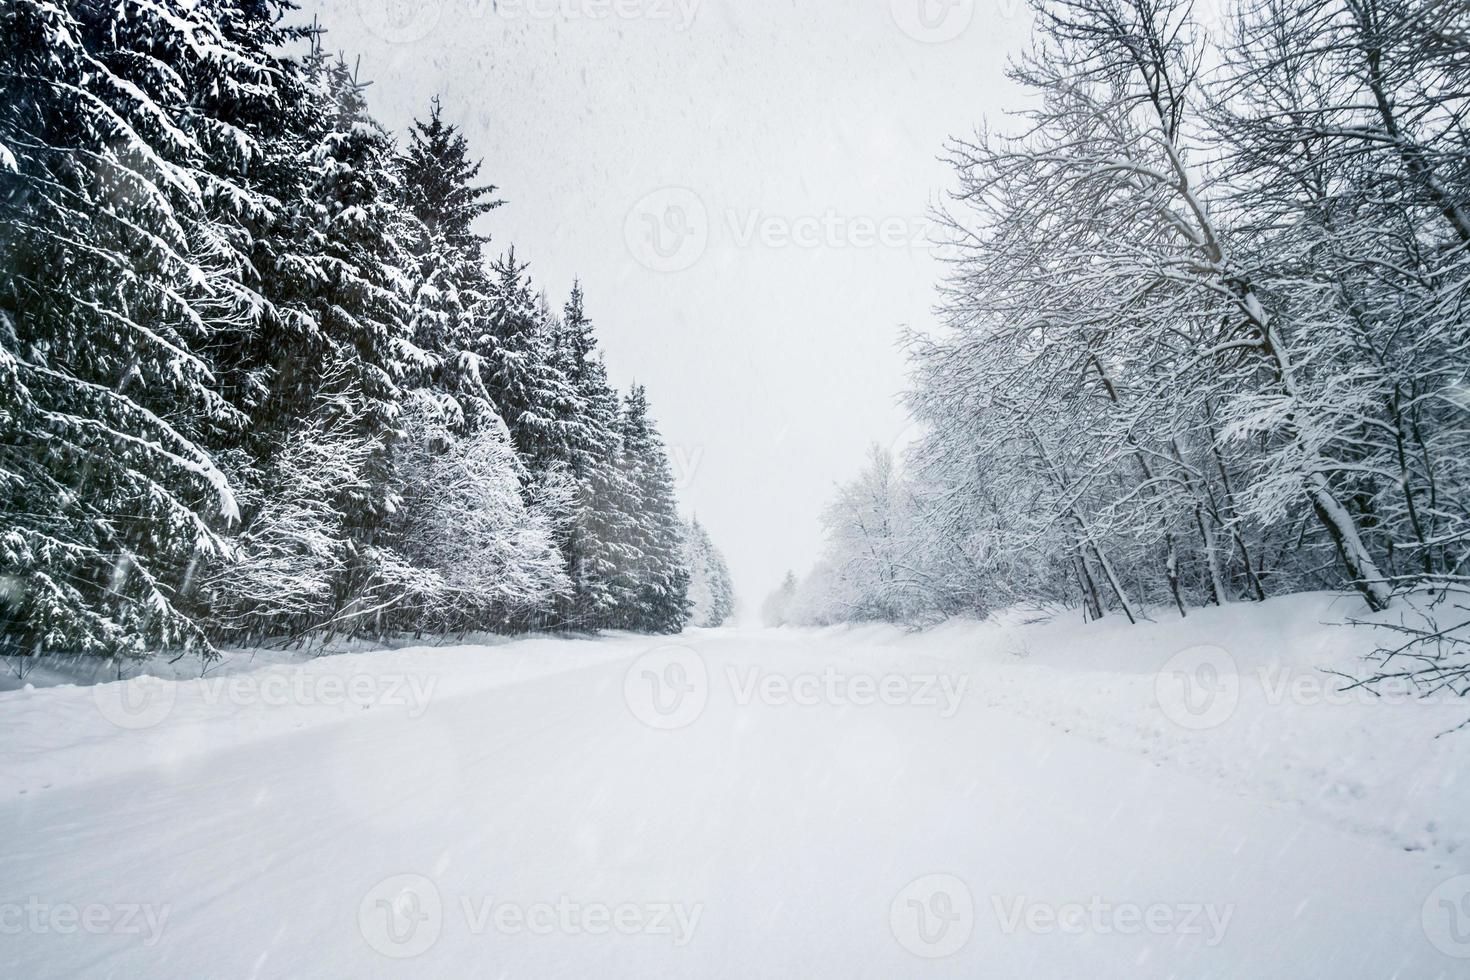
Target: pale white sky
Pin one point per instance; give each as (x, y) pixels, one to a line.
(741, 186)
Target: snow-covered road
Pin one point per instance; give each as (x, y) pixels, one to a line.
(728, 803)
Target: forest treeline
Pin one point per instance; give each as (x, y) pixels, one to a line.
(259, 375)
(1204, 328)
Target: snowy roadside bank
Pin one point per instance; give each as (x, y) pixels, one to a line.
(84, 726)
(1244, 696)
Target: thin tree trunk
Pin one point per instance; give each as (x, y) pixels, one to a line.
(1341, 527)
(1091, 604)
(1119, 593)
(1172, 559)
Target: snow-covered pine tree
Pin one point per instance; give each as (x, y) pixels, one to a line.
(521, 369)
(360, 294)
(701, 592)
(286, 570)
(218, 283)
(722, 586)
(723, 590)
(597, 540)
(711, 594)
(654, 592)
(457, 313)
(449, 285)
(474, 554)
(338, 276)
(361, 302)
(125, 223)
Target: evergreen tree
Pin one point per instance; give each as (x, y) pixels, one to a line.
(655, 589)
(450, 290)
(348, 233)
(597, 542)
(475, 554)
(521, 370)
(711, 593)
(125, 220)
(253, 365)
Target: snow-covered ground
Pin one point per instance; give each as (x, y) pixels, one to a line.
(1002, 799)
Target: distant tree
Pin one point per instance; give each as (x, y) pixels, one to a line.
(711, 593)
(777, 608)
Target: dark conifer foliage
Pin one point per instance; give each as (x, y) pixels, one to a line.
(599, 542)
(450, 285)
(258, 377)
(519, 364)
(655, 593)
(125, 235)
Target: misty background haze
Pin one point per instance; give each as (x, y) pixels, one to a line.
(743, 190)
